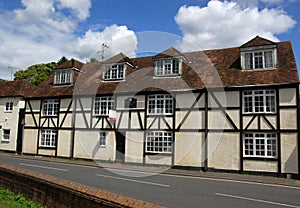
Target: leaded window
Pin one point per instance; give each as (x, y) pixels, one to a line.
(103, 105)
(260, 145)
(159, 142)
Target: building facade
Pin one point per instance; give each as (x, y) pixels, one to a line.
(12, 114)
(233, 109)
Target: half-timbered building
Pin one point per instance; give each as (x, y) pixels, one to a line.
(228, 109)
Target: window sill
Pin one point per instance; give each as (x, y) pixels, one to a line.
(8, 111)
(47, 147)
(260, 158)
(5, 140)
(159, 153)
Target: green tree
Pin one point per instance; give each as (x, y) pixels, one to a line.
(62, 60)
(92, 60)
(37, 73)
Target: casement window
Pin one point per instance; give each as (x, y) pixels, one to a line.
(48, 138)
(262, 145)
(102, 139)
(159, 142)
(102, 105)
(50, 107)
(9, 106)
(63, 77)
(264, 59)
(168, 67)
(5, 134)
(259, 101)
(114, 72)
(160, 104)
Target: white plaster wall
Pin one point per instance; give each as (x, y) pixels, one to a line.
(64, 143)
(9, 121)
(223, 151)
(188, 149)
(195, 119)
(288, 119)
(47, 152)
(134, 147)
(261, 166)
(287, 96)
(87, 146)
(158, 159)
(289, 153)
(30, 141)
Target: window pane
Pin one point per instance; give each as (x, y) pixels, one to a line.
(248, 61)
(258, 60)
(268, 59)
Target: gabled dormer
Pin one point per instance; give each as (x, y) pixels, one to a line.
(258, 53)
(114, 69)
(64, 73)
(168, 63)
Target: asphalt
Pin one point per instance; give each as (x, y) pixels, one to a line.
(249, 178)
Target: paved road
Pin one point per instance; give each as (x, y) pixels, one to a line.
(167, 190)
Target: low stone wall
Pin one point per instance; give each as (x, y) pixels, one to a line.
(55, 192)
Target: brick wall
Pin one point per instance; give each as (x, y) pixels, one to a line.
(55, 192)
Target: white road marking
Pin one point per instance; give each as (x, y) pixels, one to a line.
(137, 181)
(256, 200)
(44, 167)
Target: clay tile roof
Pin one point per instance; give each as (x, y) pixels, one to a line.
(202, 69)
(17, 88)
(119, 58)
(171, 52)
(257, 41)
(70, 64)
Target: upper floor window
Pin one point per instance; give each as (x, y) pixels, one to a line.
(160, 104)
(114, 72)
(262, 59)
(63, 76)
(168, 67)
(50, 107)
(9, 106)
(130, 102)
(259, 101)
(103, 105)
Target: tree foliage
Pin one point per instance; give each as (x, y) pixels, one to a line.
(37, 73)
(92, 60)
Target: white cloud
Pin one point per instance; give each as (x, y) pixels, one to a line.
(226, 24)
(80, 8)
(118, 38)
(44, 31)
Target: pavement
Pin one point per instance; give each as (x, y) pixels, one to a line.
(247, 178)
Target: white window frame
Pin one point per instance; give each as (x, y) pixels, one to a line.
(253, 98)
(160, 104)
(260, 145)
(256, 54)
(167, 67)
(9, 106)
(102, 139)
(63, 77)
(114, 72)
(50, 107)
(48, 138)
(159, 142)
(5, 136)
(102, 105)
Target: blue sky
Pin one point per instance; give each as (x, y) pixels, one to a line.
(42, 31)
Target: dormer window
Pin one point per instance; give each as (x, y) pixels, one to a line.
(252, 59)
(63, 77)
(168, 67)
(114, 72)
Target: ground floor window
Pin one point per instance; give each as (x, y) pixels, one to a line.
(102, 139)
(159, 142)
(262, 145)
(48, 138)
(6, 135)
